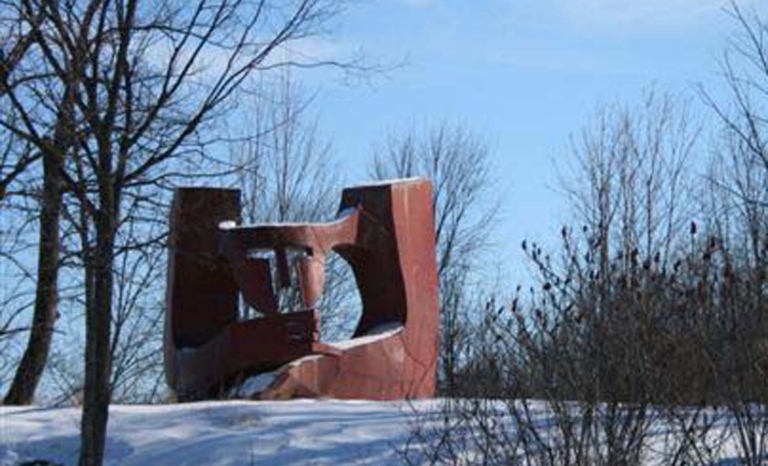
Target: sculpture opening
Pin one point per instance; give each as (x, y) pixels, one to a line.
(384, 231)
(341, 303)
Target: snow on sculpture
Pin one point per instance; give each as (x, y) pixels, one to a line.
(385, 231)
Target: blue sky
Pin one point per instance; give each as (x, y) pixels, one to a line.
(525, 74)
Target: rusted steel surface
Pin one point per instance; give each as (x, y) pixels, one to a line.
(384, 231)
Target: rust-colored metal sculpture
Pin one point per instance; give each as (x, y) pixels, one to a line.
(384, 231)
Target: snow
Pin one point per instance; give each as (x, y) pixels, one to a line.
(340, 218)
(228, 433)
(253, 433)
(373, 184)
(253, 385)
(375, 334)
(346, 212)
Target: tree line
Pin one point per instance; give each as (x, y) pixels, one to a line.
(645, 337)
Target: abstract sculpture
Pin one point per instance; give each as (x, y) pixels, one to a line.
(384, 231)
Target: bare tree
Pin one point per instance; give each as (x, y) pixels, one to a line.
(136, 347)
(739, 175)
(17, 155)
(466, 209)
(17, 278)
(598, 341)
(125, 89)
(20, 71)
(738, 200)
(289, 170)
(631, 180)
(288, 174)
(32, 364)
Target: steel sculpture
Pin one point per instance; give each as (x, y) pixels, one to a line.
(384, 231)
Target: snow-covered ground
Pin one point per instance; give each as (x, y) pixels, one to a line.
(299, 432)
(302, 432)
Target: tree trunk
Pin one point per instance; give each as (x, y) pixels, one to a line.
(97, 333)
(30, 369)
